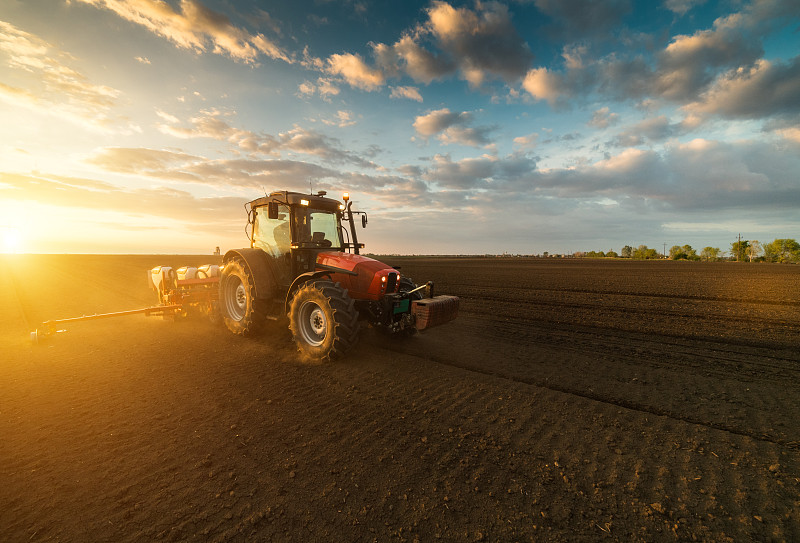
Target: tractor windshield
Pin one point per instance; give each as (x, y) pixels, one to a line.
(318, 228)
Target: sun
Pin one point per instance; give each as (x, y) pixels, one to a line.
(12, 239)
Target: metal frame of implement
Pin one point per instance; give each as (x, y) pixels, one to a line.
(188, 294)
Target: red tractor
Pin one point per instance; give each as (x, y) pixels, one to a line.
(303, 262)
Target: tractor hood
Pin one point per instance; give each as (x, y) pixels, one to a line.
(370, 280)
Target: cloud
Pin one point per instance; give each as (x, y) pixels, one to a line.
(480, 45)
(544, 84)
(603, 118)
(699, 175)
(52, 87)
(689, 62)
(437, 121)
(451, 127)
(577, 19)
(486, 172)
(654, 130)
(324, 86)
(224, 173)
(212, 124)
(343, 119)
(143, 60)
(410, 57)
(410, 93)
(482, 42)
(681, 72)
(195, 27)
(526, 143)
(681, 7)
(355, 71)
(763, 90)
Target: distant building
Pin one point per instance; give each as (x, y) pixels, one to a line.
(216, 251)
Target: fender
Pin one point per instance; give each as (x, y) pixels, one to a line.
(299, 280)
(259, 265)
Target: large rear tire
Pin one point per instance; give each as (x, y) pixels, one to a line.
(240, 309)
(323, 320)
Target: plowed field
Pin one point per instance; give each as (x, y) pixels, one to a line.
(572, 400)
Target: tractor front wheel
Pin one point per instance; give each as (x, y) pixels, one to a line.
(323, 320)
(240, 309)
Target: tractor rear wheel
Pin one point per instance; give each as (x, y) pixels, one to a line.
(323, 320)
(240, 309)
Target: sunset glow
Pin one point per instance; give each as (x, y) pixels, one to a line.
(462, 127)
(12, 240)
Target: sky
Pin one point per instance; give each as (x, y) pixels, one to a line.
(144, 126)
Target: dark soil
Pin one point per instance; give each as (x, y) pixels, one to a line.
(572, 400)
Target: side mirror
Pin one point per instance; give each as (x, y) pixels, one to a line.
(364, 220)
(272, 210)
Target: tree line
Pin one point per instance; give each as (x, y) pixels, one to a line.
(779, 250)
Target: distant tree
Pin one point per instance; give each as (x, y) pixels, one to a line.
(643, 252)
(611, 254)
(754, 250)
(782, 250)
(627, 252)
(595, 254)
(738, 249)
(710, 253)
(684, 252)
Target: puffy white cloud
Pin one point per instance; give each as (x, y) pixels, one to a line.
(452, 128)
(195, 27)
(482, 41)
(410, 57)
(436, 121)
(763, 90)
(688, 66)
(543, 84)
(355, 71)
(478, 44)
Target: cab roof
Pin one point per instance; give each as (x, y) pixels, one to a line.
(315, 201)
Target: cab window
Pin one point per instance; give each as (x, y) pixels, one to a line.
(273, 236)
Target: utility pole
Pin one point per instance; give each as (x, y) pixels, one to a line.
(665, 250)
(739, 249)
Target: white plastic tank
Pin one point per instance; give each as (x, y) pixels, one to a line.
(187, 272)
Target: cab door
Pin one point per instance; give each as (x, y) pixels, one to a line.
(274, 237)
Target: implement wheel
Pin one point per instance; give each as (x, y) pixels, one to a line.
(406, 285)
(323, 320)
(240, 310)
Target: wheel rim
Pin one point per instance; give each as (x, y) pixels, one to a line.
(313, 324)
(235, 298)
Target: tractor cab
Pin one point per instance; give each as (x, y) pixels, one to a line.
(294, 228)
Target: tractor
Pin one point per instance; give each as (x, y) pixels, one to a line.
(304, 263)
